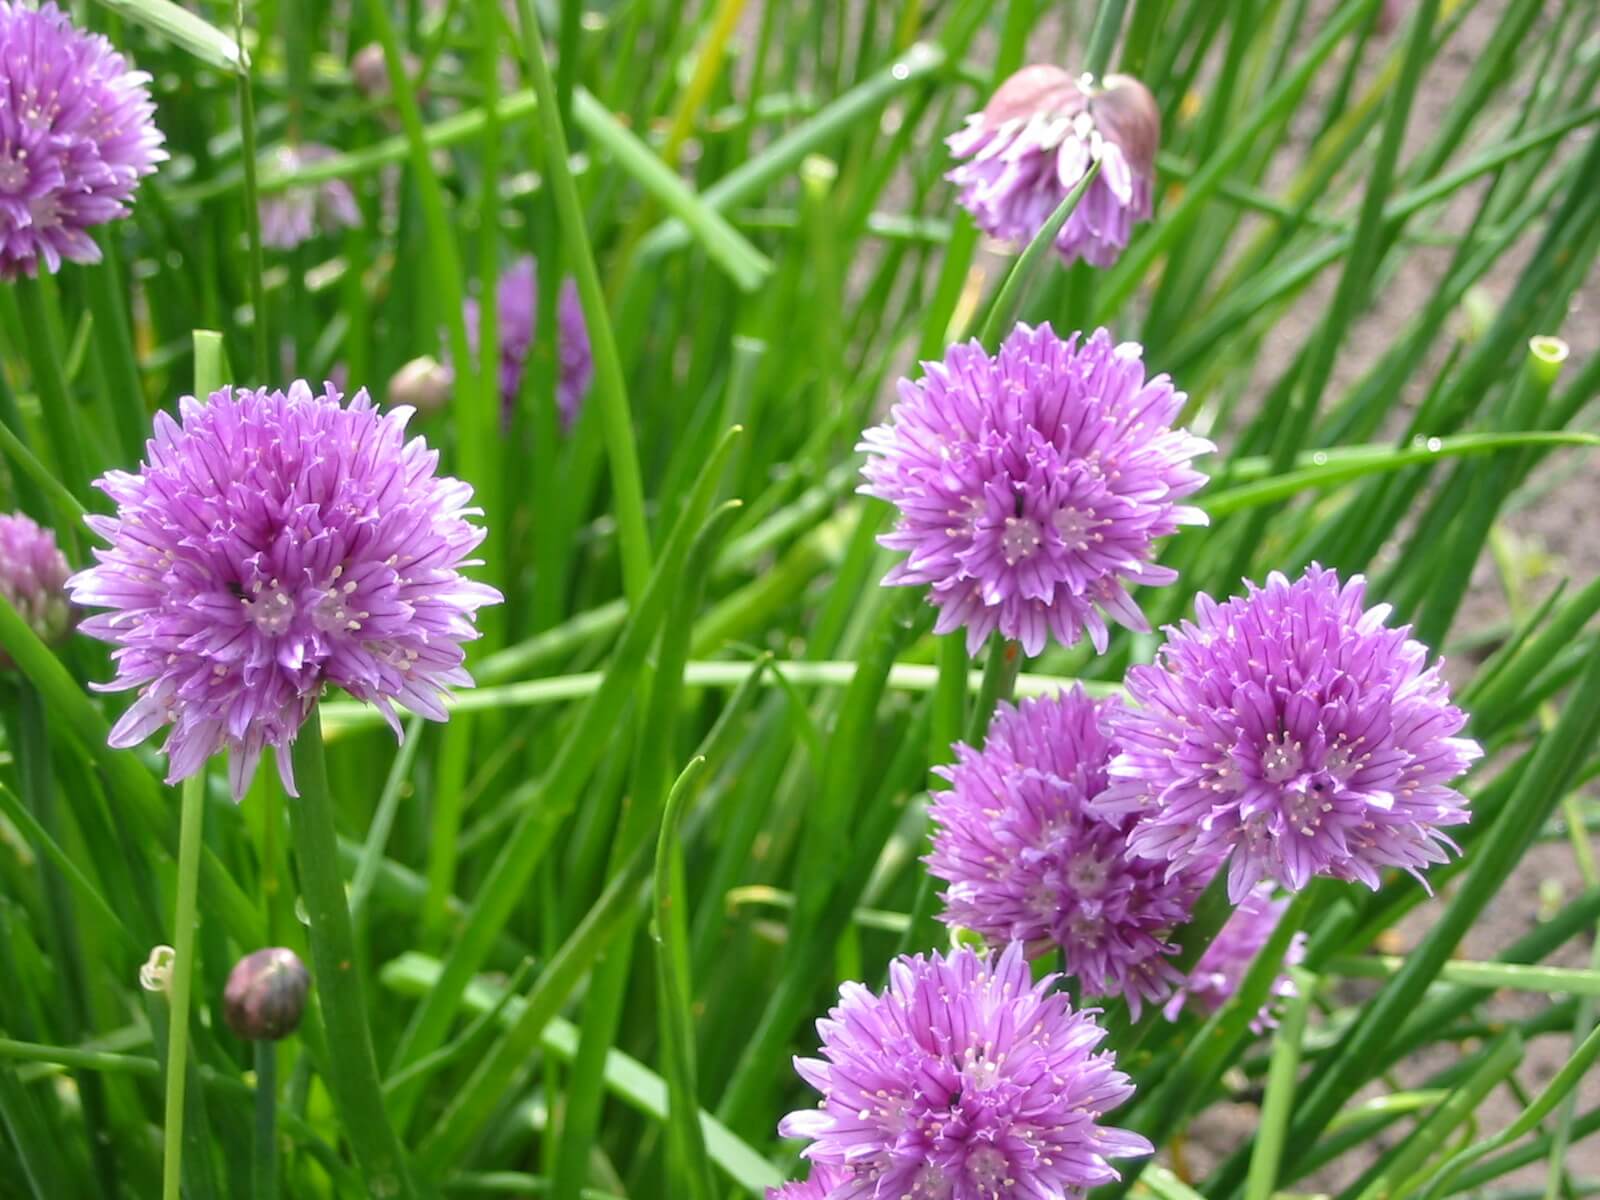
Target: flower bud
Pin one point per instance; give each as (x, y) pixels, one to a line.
(33, 577)
(266, 995)
(422, 383)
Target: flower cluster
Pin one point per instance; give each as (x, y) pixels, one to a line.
(273, 543)
(1037, 138)
(516, 314)
(1033, 483)
(1292, 729)
(964, 1079)
(1221, 969)
(33, 577)
(1031, 855)
(76, 136)
(296, 214)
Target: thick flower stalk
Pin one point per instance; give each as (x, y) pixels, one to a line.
(1293, 730)
(274, 543)
(1221, 969)
(1037, 138)
(1032, 485)
(516, 315)
(33, 577)
(1030, 856)
(964, 1080)
(76, 136)
(298, 213)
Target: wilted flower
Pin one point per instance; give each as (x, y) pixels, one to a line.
(1030, 857)
(33, 577)
(423, 383)
(818, 1186)
(1034, 142)
(273, 543)
(1221, 969)
(516, 313)
(1291, 728)
(76, 136)
(964, 1080)
(295, 214)
(1032, 484)
(265, 996)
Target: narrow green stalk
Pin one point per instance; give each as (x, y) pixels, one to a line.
(260, 357)
(1103, 36)
(999, 684)
(264, 1148)
(55, 400)
(1278, 1099)
(194, 800)
(352, 1066)
(1003, 310)
(610, 385)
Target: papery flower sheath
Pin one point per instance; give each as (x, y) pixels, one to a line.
(1032, 484)
(1292, 729)
(271, 544)
(1034, 142)
(76, 136)
(965, 1080)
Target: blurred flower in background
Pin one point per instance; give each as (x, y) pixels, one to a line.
(1034, 142)
(516, 317)
(33, 577)
(1030, 857)
(76, 136)
(1032, 485)
(298, 213)
(1221, 969)
(274, 543)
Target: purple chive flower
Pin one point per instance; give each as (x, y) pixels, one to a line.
(819, 1186)
(33, 577)
(964, 1080)
(273, 543)
(1030, 857)
(296, 214)
(76, 136)
(1221, 969)
(1032, 484)
(1034, 142)
(1292, 729)
(516, 312)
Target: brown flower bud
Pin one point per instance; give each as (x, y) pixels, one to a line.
(1126, 113)
(266, 995)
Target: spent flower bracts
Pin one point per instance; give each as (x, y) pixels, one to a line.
(1292, 729)
(1033, 483)
(964, 1080)
(1037, 138)
(76, 136)
(1030, 855)
(274, 543)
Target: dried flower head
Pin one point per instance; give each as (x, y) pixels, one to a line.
(265, 996)
(1033, 483)
(76, 136)
(516, 314)
(273, 543)
(33, 577)
(1221, 969)
(964, 1080)
(1030, 857)
(1292, 729)
(1034, 142)
(297, 213)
